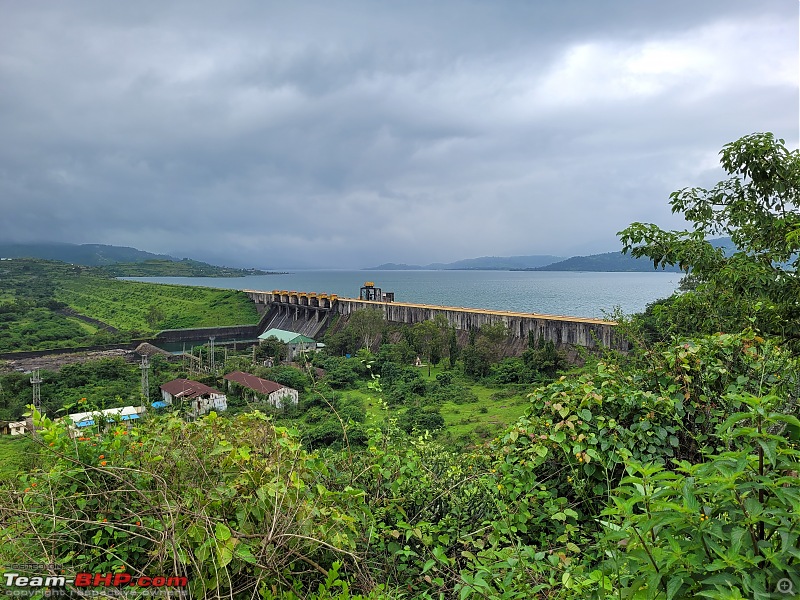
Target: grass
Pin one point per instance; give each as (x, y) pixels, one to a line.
(15, 454)
(489, 414)
(40, 328)
(130, 305)
(88, 328)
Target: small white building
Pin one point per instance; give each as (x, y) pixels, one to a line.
(195, 397)
(17, 427)
(272, 392)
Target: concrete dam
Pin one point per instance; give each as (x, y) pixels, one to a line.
(309, 313)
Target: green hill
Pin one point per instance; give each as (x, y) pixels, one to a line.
(608, 261)
(172, 268)
(90, 255)
(122, 261)
(619, 262)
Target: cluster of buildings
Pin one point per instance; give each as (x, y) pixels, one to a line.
(194, 398)
(198, 399)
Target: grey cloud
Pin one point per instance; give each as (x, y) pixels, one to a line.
(321, 134)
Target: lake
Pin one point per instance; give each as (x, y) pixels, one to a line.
(546, 292)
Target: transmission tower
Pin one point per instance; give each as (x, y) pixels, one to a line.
(36, 381)
(145, 367)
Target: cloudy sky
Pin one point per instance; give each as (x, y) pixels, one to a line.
(351, 133)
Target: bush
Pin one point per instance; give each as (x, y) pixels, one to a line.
(235, 505)
(730, 524)
(426, 418)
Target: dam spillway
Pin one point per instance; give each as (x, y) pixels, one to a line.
(310, 312)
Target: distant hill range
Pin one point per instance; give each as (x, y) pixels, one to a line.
(484, 263)
(619, 262)
(607, 261)
(122, 261)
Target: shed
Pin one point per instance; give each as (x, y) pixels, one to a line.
(107, 416)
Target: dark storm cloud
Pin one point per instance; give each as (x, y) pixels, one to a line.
(352, 133)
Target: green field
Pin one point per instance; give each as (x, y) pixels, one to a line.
(128, 305)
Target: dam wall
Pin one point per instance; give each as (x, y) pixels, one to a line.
(201, 334)
(561, 330)
(312, 311)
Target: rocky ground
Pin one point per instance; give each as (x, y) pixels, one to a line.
(56, 361)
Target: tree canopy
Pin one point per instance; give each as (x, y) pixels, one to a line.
(757, 206)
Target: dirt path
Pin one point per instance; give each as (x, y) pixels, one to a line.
(68, 312)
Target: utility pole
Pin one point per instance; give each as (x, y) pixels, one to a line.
(211, 364)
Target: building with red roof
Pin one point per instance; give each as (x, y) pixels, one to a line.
(196, 398)
(262, 390)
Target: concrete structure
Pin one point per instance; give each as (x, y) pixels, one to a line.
(263, 390)
(370, 292)
(301, 312)
(196, 398)
(562, 330)
(202, 334)
(17, 427)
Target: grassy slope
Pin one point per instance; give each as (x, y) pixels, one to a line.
(126, 304)
(31, 289)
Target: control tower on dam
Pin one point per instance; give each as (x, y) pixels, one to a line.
(312, 311)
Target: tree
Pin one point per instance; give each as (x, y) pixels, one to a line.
(495, 336)
(453, 349)
(428, 340)
(477, 360)
(757, 206)
(272, 347)
(154, 316)
(367, 324)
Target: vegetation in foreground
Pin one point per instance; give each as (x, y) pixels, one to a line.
(667, 473)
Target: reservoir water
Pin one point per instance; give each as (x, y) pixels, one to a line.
(547, 292)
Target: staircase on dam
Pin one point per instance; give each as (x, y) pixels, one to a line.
(308, 323)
